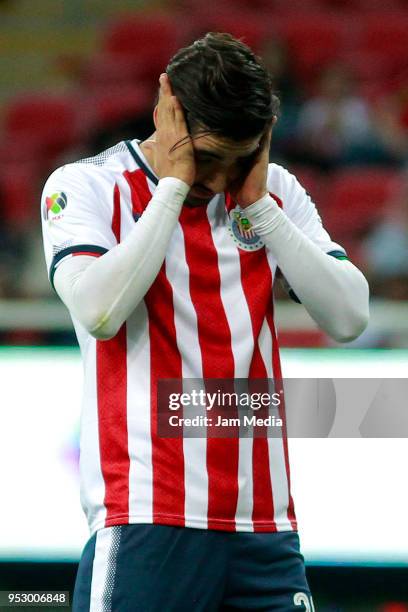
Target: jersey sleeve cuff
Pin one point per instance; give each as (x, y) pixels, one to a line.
(79, 249)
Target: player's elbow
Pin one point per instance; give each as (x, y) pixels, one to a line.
(352, 310)
(103, 333)
(351, 332)
(101, 326)
(352, 326)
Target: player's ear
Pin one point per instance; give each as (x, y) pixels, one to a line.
(155, 116)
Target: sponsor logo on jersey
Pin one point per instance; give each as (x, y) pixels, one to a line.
(54, 205)
(242, 232)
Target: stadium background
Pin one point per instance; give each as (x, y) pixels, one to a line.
(78, 76)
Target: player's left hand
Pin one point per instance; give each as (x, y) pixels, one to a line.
(251, 186)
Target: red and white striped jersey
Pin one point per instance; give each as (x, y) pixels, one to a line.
(208, 314)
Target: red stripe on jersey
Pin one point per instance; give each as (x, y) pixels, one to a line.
(139, 190)
(217, 359)
(277, 199)
(277, 374)
(165, 362)
(86, 253)
(116, 213)
(256, 279)
(111, 372)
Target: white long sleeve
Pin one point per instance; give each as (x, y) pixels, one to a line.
(334, 292)
(102, 293)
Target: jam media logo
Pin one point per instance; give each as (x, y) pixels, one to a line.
(241, 231)
(54, 205)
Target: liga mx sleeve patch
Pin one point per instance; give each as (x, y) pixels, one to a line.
(54, 205)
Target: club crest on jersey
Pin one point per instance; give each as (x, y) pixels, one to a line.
(241, 231)
(54, 205)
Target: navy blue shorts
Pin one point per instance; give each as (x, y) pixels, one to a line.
(159, 568)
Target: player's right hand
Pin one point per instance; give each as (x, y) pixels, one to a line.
(173, 148)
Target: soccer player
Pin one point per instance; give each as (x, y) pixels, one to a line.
(164, 252)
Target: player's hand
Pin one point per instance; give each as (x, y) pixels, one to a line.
(251, 186)
(172, 150)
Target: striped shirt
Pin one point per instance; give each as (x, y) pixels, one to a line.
(208, 314)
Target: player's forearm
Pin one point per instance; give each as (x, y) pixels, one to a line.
(334, 292)
(102, 293)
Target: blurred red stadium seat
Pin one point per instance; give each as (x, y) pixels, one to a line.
(313, 181)
(379, 5)
(364, 6)
(117, 104)
(394, 607)
(243, 24)
(298, 5)
(18, 183)
(152, 39)
(106, 70)
(371, 67)
(381, 46)
(21, 148)
(314, 40)
(357, 198)
(384, 33)
(50, 122)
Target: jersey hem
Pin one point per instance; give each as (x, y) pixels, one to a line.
(179, 521)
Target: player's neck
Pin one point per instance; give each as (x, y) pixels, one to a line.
(147, 149)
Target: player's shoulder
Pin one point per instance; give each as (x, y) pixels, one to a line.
(96, 171)
(114, 159)
(281, 182)
(286, 187)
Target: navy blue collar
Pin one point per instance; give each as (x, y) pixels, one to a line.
(141, 163)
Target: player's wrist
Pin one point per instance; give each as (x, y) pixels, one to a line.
(183, 175)
(251, 199)
(172, 190)
(258, 203)
(264, 215)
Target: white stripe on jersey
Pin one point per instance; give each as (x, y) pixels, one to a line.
(277, 466)
(138, 416)
(234, 301)
(126, 219)
(195, 449)
(138, 393)
(92, 481)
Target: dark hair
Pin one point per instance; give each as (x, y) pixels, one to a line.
(223, 87)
